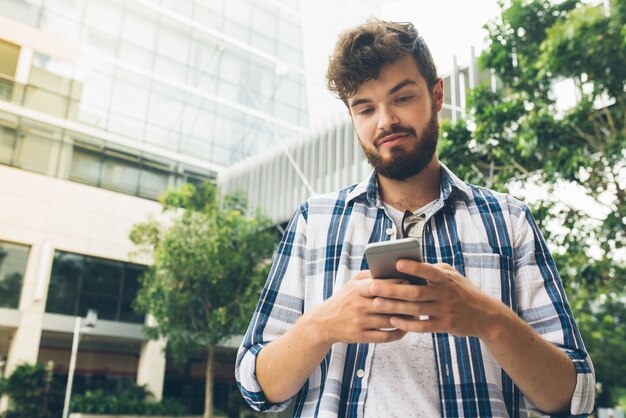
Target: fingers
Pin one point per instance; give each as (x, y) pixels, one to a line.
(380, 336)
(434, 273)
(416, 325)
(411, 309)
(413, 293)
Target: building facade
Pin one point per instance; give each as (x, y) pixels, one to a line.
(104, 104)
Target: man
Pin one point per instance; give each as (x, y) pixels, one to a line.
(490, 335)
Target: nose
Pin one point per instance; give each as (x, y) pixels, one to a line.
(387, 118)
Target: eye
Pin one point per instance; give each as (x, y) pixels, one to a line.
(366, 111)
(403, 99)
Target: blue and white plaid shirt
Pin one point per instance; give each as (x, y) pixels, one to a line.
(490, 238)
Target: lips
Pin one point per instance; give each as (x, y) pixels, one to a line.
(393, 139)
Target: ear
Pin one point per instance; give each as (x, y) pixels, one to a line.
(438, 93)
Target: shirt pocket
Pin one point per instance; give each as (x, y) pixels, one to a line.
(494, 274)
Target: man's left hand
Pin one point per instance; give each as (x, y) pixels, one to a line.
(453, 304)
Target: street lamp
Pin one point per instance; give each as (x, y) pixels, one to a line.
(90, 323)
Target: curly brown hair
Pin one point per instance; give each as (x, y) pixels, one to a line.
(362, 51)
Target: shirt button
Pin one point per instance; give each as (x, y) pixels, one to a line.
(360, 373)
(389, 231)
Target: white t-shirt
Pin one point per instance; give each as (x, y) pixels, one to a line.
(403, 377)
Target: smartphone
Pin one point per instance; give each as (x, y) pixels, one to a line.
(383, 256)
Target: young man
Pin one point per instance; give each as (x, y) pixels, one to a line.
(490, 335)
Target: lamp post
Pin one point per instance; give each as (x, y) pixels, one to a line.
(90, 322)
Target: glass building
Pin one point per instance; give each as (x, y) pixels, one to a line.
(170, 91)
(104, 104)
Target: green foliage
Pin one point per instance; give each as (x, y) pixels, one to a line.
(209, 266)
(518, 136)
(136, 400)
(28, 388)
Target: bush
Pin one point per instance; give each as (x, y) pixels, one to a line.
(28, 388)
(136, 401)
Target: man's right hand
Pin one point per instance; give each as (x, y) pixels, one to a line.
(349, 315)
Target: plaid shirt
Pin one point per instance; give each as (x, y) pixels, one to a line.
(490, 238)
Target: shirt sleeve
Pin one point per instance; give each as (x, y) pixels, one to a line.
(542, 303)
(280, 305)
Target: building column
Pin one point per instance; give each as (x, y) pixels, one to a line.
(24, 345)
(151, 368)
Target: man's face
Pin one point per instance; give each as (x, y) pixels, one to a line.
(395, 118)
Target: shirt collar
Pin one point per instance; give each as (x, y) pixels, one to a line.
(450, 185)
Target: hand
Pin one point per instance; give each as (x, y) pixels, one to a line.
(350, 316)
(453, 304)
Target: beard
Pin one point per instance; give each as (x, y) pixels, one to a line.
(405, 164)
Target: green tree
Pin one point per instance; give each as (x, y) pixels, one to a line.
(209, 263)
(517, 136)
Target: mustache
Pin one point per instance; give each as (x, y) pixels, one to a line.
(395, 129)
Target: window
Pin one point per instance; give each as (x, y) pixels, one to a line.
(9, 54)
(79, 283)
(13, 258)
(120, 172)
(7, 144)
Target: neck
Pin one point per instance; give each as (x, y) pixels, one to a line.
(414, 192)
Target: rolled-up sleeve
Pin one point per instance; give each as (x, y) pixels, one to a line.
(279, 307)
(542, 303)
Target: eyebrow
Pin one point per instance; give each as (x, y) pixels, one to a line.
(391, 91)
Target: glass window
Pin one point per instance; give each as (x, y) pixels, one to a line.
(197, 146)
(60, 26)
(104, 15)
(100, 42)
(13, 259)
(286, 112)
(199, 121)
(263, 43)
(264, 21)
(120, 172)
(173, 41)
(288, 91)
(65, 283)
(7, 144)
(79, 283)
(239, 11)
(180, 7)
(129, 100)
(9, 54)
(123, 125)
(92, 115)
(236, 30)
(289, 33)
(94, 88)
(293, 56)
(154, 180)
(25, 11)
(209, 14)
(136, 56)
(129, 293)
(51, 74)
(204, 56)
(171, 70)
(140, 26)
(101, 289)
(85, 166)
(36, 153)
(231, 64)
(165, 110)
(69, 8)
(46, 101)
